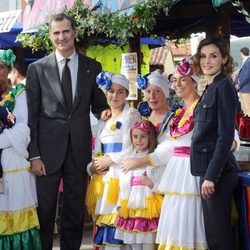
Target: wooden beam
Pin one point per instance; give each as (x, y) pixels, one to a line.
(200, 9)
(192, 10)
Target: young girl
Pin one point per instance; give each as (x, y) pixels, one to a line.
(139, 207)
(113, 141)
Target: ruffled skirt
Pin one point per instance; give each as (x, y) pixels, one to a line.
(181, 224)
(19, 226)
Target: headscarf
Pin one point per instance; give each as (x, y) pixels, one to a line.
(185, 68)
(156, 79)
(7, 57)
(105, 79)
(143, 126)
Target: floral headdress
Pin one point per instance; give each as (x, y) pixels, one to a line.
(7, 57)
(105, 79)
(142, 81)
(185, 68)
(143, 126)
(155, 78)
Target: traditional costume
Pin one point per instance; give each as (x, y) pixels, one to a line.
(181, 191)
(140, 207)
(181, 224)
(113, 140)
(19, 226)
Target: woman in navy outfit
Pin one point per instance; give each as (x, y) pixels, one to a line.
(213, 136)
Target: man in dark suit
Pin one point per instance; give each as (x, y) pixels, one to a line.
(243, 81)
(60, 130)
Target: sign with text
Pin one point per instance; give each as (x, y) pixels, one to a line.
(130, 69)
(7, 20)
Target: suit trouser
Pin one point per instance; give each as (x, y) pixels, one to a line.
(217, 213)
(245, 103)
(73, 204)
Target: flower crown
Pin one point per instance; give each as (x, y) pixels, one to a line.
(142, 81)
(7, 57)
(104, 80)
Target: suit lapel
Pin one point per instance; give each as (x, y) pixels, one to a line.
(83, 75)
(52, 75)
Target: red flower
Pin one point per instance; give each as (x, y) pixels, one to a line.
(95, 7)
(135, 17)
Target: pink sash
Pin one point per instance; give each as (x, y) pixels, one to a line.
(181, 152)
(136, 181)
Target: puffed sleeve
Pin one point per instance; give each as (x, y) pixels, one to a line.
(162, 153)
(21, 113)
(156, 175)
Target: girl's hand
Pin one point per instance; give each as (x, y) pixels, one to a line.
(94, 170)
(207, 189)
(102, 163)
(128, 164)
(147, 181)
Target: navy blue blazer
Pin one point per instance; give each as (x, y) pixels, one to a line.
(214, 128)
(244, 77)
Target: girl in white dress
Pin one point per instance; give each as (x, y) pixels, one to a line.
(140, 206)
(114, 142)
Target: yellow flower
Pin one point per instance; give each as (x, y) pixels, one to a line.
(113, 127)
(98, 154)
(178, 111)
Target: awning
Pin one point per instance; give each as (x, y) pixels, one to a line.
(8, 39)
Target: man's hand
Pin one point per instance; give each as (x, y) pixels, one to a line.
(105, 115)
(207, 189)
(237, 87)
(38, 167)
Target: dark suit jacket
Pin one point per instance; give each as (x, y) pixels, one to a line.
(243, 78)
(214, 128)
(52, 127)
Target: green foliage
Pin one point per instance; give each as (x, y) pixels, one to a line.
(92, 25)
(39, 40)
(241, 9)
